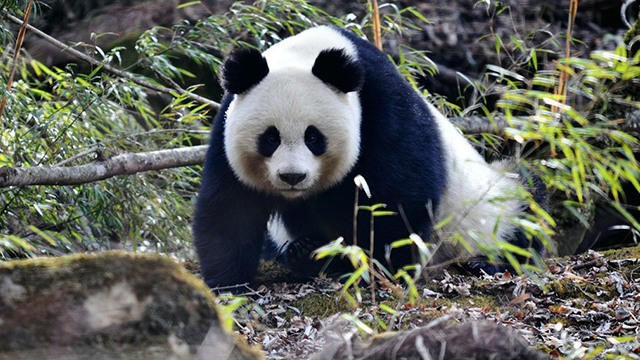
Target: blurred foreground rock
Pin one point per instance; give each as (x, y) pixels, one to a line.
(110, 305)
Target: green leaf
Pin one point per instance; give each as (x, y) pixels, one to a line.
(569, 206)
(508, 247)
(190, 3)
(378, 206)
(95, 71)
(44, 235)
(401, 243)
(513, 262)
(188, 73)
(631, 72)
(534, 59)
(577, 183)
(384, 213)
(20, 242)
(443, 222)
(626, 215)
(418, 15)
(354, 277)
(387, 309)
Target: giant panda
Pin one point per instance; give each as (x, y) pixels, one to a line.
(298, 123)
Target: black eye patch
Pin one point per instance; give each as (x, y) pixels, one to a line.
(315, 141)
(269, 141)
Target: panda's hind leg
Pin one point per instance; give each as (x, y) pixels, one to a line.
(481, 263)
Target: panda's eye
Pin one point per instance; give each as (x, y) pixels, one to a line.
(315, 141)
(269, 141)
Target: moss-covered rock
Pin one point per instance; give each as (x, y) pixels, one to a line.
(271, 272)
(322, 305)
(87, 305)
(632, 252)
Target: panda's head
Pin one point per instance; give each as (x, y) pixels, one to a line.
(293, 128)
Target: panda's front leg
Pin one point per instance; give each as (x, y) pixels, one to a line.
(228, 231)
(298, 256)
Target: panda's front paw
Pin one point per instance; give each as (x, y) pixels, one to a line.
(298, 257)
(481, 264)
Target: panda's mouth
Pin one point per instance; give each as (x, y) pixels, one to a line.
(292, 192)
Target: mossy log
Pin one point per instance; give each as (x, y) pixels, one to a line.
(438, 340)
(110, 305)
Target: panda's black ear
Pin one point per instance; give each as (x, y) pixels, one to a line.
(336, 68)
(244, 68)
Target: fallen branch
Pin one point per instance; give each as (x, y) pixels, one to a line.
(149, 85)
(124, 164)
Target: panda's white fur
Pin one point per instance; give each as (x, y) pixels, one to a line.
(291, 98)
(278, 233)
(477, 194)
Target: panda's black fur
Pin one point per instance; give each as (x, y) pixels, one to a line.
(401, 157)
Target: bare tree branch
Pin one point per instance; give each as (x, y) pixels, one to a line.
(132, 163)
(149, 85)
(79, 155)
(124, 164)
(474, 124)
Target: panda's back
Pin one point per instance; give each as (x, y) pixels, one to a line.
(410, 154)
(402, 154)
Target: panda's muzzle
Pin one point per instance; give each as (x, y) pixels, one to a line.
(292, 178)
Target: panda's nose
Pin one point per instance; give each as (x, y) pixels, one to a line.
(292, 178)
